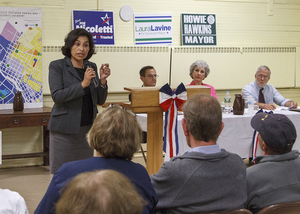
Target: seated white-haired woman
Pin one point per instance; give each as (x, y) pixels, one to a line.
(199, 70)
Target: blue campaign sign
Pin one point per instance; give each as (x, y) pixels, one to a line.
(99, 23)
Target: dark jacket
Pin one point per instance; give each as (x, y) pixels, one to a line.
(275, 179)
(134, 171)
(67, 93)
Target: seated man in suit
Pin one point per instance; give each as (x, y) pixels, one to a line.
(206, 178)
(276, 176)
(265, 95)
(148, 76)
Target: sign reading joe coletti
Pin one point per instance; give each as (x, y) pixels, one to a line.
(198, 29)
(99, 23)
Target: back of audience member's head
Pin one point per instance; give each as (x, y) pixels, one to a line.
(143, 70)
(115, 133)
(100, 192)
(276, 130)
(203, 117)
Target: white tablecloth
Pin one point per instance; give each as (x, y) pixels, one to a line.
(237, 134)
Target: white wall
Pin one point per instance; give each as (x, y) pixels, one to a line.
(233, 68)
(240, 23)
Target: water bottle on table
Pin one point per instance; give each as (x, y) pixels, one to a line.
(250, 101)
(223, 107)
(227, 102)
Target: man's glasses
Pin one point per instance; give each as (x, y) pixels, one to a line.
(152, 75)
(260, 76)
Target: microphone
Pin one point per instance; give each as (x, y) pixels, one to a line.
(94, 80)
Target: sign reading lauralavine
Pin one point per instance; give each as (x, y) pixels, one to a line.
(198, 29)
(153, 29)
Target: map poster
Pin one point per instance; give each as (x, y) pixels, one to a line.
(153, 29)
(0, 147)
(198, 29)
(99, 23)
(21, 56)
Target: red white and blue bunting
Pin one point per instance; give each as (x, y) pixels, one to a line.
(169, 101)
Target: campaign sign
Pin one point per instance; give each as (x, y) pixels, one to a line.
(153, 29)
(198, 29)
(99, 23)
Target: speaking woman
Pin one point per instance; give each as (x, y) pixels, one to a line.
(75, 97)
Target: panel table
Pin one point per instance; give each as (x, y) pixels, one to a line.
(237, 134)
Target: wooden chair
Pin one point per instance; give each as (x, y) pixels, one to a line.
(240, 211)
(283, 208)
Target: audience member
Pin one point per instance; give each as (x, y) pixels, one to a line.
(199, 70)
(100, 192)
(148, 76)
(265, 95)
(116, 136)
(275, 178)
(205, 178)
(12, 202)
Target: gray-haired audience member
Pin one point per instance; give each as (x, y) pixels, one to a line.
(275, 178)
(205, 178)
(100, 192)
(265, 95)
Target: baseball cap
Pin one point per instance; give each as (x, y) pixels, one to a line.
(276, 130)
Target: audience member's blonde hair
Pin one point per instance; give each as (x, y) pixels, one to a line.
(115, 133)
(100, 192)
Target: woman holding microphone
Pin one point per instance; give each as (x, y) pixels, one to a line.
(76, 89)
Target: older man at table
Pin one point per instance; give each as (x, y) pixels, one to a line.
(265, 95)
(205, 178)
(275, 178)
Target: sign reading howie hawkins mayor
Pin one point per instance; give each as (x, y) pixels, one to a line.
(99, 23)
(198, 29)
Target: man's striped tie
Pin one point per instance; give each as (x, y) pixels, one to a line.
(261, 97)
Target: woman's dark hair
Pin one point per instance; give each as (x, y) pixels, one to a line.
(71, 39)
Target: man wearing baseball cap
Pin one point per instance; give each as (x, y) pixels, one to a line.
(275, 178)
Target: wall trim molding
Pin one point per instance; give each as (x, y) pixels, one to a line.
(182, 49)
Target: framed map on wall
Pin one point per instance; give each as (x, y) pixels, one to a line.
(21, 56)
